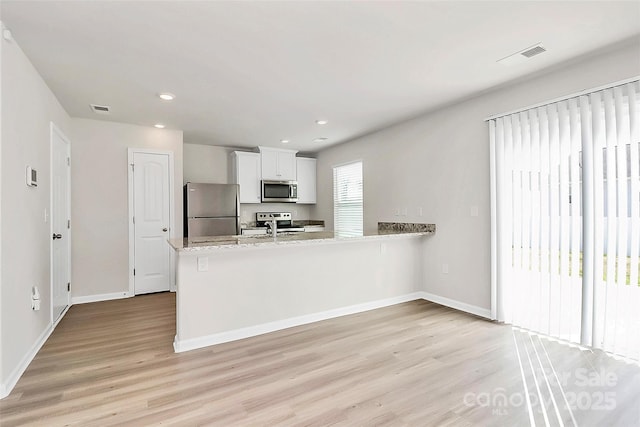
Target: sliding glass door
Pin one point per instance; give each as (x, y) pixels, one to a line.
(566, 218)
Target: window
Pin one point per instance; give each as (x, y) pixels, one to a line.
(347, 199)
(566, 218)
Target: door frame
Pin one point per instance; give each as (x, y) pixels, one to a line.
(172, 226)
(53, 129)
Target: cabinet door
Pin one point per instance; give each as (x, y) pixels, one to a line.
(278, 164)
(270, 165)
(306, 172)
(248, 176)
(287, 166)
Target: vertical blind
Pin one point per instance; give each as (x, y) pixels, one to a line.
(566, 219)
(347, 199)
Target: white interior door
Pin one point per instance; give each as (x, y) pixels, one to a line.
(60, 223)
(151, 203)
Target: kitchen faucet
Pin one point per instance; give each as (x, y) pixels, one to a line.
(273, 226)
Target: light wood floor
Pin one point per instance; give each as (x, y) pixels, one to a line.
(416, 364)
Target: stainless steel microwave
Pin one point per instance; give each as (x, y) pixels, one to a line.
(279, 191)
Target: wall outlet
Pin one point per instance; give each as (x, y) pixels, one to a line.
(35, 299)
(404, 211)
(420, 211)
(383, 248)
(203, 263)
(397, 212)
(445, 268)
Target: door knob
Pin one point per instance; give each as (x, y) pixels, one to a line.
(57, 236)
(164, 229)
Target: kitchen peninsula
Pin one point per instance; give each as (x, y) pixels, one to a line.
(234, 287)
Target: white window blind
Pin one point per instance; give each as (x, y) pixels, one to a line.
(566, 219)
(347, 199)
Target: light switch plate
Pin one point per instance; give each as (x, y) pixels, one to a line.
(203, 263)
(32, 177)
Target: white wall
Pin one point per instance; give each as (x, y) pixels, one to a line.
(3, 392)
(211, 164)
(28, 107)
(440, 162)
(206, 163)
(321, 276)
(99, 200)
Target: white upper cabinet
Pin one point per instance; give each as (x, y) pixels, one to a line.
(306, 179)
(246, 172)
(278, 164)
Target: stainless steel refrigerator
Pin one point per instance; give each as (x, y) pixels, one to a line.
(211, 210)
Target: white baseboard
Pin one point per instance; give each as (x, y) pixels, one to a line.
(15, 375)
(12, 380)
(238, 334)
(101, 297)
(5, 389)
(461, 306)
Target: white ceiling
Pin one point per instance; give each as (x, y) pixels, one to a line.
(253, 73)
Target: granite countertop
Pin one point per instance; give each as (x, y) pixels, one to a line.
(385, 231)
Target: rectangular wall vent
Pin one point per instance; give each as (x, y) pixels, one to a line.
(523, 55)
(536, 50)
(100, 109)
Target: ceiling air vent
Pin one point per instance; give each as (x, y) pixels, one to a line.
(536, 50)
(100, 109)
(523, 55)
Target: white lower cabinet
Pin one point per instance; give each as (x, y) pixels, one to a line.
(253, 232)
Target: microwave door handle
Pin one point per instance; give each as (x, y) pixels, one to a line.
(290, 191)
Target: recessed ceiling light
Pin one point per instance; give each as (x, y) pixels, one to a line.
(322, 122)
(166, 96)
(320, 139)
(159, 125)
(284, 141)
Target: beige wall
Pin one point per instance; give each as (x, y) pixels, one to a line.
(206, 163)
(440, 162)
(211, 164)
(321, 276)
(28, 107)
(2, 386)
(99, 200)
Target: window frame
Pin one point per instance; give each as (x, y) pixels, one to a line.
(340, 232)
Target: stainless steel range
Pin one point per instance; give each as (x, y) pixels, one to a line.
(283, 220)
